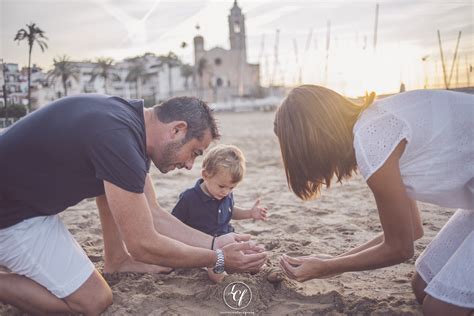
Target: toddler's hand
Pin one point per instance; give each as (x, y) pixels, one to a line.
(258, 212)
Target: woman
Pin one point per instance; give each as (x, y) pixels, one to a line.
(416, 145)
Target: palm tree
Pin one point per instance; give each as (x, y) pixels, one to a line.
(172, 61)
(104, 69)
(64, 70)
(201, 68)
(137, 73)
(32, 34)
(187, 71)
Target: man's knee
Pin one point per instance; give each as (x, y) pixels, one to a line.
(418, 285)
(94, 304)
(93, 297)
(101, 301)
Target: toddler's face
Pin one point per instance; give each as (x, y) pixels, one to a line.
(220, 185)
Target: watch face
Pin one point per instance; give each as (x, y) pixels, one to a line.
(219, 269)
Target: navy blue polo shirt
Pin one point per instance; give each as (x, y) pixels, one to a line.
(204, 213)
(61, 154)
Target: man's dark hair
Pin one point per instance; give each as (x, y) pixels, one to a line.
(195, 112)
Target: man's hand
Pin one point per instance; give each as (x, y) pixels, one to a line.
(244, 257)
(229, 238)
(259, 213)
(305, 268)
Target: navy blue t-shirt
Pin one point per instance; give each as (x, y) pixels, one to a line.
(204, 213)
(60, 154)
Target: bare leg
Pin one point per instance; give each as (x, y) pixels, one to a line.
(418, 285)
(29, 296)
(434, 307)
(92, 298)
(116, 256)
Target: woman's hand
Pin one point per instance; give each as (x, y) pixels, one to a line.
(259, 213)
(306, 268)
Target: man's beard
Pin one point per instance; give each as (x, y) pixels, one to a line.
(169, 156)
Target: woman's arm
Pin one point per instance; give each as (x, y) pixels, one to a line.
(399, 221)
(417, 229)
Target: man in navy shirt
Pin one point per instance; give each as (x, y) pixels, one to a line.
(100, 146)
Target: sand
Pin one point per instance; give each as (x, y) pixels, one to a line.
(344, 217)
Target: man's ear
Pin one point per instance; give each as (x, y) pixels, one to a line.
(179, 129)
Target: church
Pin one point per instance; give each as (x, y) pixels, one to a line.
(221, 74)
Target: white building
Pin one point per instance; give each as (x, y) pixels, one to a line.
(16, 83)
(149, 77)
(81, 84)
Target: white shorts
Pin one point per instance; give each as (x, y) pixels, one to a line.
(42, 249)
(447, 264)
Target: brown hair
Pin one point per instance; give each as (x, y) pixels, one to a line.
(225, 157)
(314, 126)
(195, 112)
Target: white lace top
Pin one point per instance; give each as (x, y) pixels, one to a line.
(437, 165)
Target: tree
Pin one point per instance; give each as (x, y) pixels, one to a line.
(187, 71)
(13, 111)
(32, 34)
(137, 73)
(104, 69)
(201, 68)
(64, 70)
(172, 61)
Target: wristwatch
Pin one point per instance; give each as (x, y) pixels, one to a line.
(219, 267)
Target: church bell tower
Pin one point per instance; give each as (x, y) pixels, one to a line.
(237, 30)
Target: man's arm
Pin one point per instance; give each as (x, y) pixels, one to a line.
(168, 225)
(135, 224)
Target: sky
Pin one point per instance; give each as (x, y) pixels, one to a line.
(352, 64)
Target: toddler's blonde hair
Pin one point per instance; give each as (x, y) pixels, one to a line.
(225, 158)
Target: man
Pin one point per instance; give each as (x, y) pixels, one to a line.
(101, 146)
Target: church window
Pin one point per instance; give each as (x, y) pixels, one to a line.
(236, 27)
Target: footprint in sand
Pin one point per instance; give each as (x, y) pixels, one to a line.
(292, 229)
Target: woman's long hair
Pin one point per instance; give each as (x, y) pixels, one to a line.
(314, 126)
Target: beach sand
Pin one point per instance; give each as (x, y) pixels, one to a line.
(344, 217)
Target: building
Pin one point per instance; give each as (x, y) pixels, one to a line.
(16, 84)
(80, 82)
(150, 77)
(221, 74)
